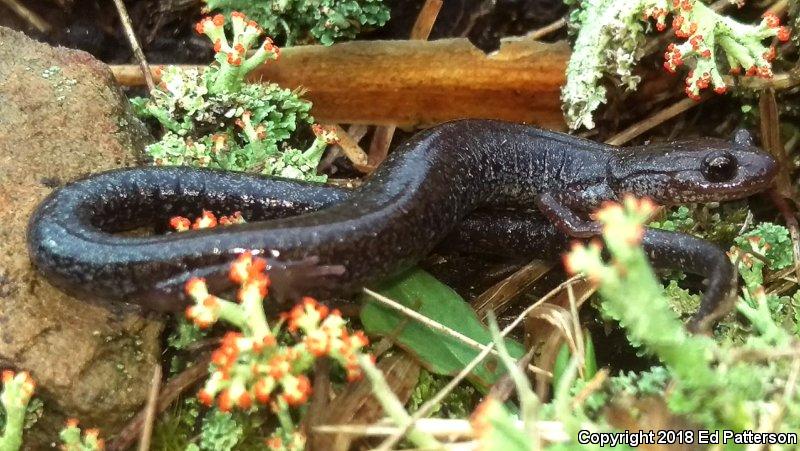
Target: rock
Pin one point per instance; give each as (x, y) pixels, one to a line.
(62, 116)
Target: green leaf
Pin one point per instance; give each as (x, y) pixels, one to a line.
(564, 355)
(439, 353)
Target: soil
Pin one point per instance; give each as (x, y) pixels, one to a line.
(63, 116)
(166, 27)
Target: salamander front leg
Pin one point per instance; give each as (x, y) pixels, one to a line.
(565, 219)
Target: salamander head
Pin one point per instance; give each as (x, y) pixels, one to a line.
(701, 170)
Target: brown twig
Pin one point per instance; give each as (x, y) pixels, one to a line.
(428, 406)
(778, 7)
(539, 33)
(379, 146)
(552, 324)
(425, 19)
(503, 388)
(778, 82)
(759, 355)
(439, 327)
(497, 297)
(320, 400)
(771, 142)
(356, 403)
(419, 83)
(655, 120)
(350, 147)
(31, 17)
(137, 50)
(169, 393)
(594, 384)
(382, 139)
(150, 410)
(447, 429)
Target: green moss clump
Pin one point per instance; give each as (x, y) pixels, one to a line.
(323, 21)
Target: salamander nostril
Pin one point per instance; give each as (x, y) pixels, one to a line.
(719, 167)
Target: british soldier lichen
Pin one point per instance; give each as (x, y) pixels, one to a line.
(254, 366)
(213, 118)
(17, 392)
(611, 37)
(72, 439)
(323, 21)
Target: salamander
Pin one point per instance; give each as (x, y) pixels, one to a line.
(413, 201)
(513, 234)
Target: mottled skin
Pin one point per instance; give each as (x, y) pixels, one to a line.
(411, 203)
(522, 235)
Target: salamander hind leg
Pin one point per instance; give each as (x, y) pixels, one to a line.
(292, 279)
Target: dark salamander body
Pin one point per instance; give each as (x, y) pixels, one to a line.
(420, 194)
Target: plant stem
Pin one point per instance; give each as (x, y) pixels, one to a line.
(392, 406)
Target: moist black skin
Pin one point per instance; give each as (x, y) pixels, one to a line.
(523, 235)
(418, 196)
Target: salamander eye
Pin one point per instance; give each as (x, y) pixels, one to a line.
(719, 167)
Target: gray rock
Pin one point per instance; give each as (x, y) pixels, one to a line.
(62, 116)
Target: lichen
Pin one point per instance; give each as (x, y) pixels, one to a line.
(323, 21)
(610, 38)
(213, 118)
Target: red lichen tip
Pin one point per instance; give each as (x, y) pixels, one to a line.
(29, 384)
(296, 390)
(224, 402)
(205, 397)
(244, 401)
(234, 60)
(770, 54)
(274, 443)
(771, 19)
(199, 28)
(480, 420)
(568, 259)
(196, 288)
(691, 94)
(783, 34)
(180, 223)
(206, 220)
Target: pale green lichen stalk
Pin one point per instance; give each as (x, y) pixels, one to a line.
(213, 118)
(17, 392)
(306, 21)
(234, 64)
(712, 384)
(610, 43)
(73, 440)
(258, 365)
